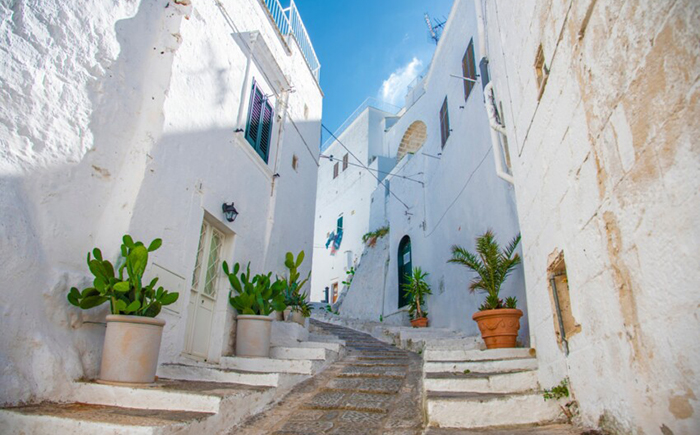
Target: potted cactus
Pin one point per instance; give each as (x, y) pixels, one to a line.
(417, 289)
(498, 320)
(132, 340)
(298, 309)
(254, 299)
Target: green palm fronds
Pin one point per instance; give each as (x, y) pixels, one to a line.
(491, 264)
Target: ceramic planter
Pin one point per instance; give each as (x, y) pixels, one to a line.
(253, 336)
(499, 328)
(130, 352)
(421, 322)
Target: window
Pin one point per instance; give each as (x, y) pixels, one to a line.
(541, 72)
(339, 225)
(469, 69)
(444, 123)
(335, 170)
(345, 162)
(258, 129)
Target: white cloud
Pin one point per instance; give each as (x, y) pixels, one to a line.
(394, 88)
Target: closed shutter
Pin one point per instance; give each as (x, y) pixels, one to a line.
(259, 126)
(335, 170)
(444, 123)
(345, 162)
(469, 69)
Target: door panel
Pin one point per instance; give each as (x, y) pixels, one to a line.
(203, 293)
(405, 268)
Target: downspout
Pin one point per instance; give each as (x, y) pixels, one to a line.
(280, 133)
(253, 37)
(489, 100)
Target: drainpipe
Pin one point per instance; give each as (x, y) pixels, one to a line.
(496, 130)
(244, 87)
(282, 106)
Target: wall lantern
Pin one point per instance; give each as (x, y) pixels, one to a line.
(229, 211)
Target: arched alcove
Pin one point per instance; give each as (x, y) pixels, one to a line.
(413, 139)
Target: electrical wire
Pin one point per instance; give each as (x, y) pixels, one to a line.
(459, 194)
(303, 140)
(363, 166)
(331, 158)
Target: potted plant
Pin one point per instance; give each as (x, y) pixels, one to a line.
(370, 238)
(255, 299)
(133, 336)
(298, 309)
(417, 289)
(498, 320)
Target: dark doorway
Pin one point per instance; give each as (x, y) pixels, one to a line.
(405, 268)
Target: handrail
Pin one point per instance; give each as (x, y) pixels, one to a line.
(289, 22)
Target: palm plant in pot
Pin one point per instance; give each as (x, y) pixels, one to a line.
(298, 309)
(133, 336)
(498, 320)
(255, 299)
(417, 289)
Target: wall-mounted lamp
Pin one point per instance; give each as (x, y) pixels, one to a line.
(229, 211)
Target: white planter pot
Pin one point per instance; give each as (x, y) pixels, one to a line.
(130, 352)
(297, 317)
(253, 336)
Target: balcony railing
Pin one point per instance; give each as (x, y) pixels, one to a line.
(289, 22)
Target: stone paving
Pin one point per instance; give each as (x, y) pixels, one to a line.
(375, 389)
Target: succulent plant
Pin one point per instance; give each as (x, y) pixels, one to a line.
(257, 296)
(293, 296)
(126, 295)
(417, 289)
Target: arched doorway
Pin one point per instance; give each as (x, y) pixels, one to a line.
(405, 268)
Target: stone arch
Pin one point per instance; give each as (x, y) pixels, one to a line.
(413, 139)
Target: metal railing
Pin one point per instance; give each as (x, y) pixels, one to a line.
(289, 22)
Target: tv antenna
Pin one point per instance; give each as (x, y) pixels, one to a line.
(435, 27)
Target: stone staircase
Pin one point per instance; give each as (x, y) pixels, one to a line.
(479, 389)
(188, 396)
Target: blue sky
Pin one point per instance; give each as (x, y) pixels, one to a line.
(368, 48)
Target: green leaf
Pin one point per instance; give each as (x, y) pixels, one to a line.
(289, 260)
(92, 301)
(133, 306)
(121, 306)
(137, 259)
(169, 298)
(224, 266)
(128, 241)
(155, 244)
(74, 297)
(300, 258)
(122, 286)
(97, 254)
(88, 292)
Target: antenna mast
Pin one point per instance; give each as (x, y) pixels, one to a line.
(434, 28)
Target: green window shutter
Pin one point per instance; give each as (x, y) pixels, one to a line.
(258, 130)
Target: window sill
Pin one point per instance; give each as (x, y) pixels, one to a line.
(258, 162)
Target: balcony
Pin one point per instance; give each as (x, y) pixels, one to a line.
(290, 25)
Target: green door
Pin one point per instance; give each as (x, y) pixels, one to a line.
(404, 268)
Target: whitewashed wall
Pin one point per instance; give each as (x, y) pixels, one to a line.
(348, 194)
(121, 118)
(606, 169)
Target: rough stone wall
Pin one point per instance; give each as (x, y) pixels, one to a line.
(119, 118)
(606, 165)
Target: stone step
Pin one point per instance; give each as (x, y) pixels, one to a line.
(299, 353)
(333, 347)
(483, 366)
(479, 410)
(271, 365)
(84, 419)
(550, 429)
(513, 382)
(325, 338)
(165, 394)
(217, 374)
(432, 354)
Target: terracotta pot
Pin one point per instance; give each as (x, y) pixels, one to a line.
(421, 322)
(130, 352)
(499, 328)
(253, 336)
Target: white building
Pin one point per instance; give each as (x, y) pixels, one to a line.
(442, 191)
(144, 117)
(343, 203)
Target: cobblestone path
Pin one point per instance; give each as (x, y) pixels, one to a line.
(375, 389)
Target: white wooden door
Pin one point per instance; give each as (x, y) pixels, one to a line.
(203, 292)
